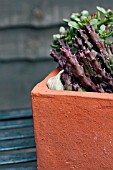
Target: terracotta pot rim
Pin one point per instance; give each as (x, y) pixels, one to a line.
(42, 89)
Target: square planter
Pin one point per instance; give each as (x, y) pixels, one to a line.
(73, 130)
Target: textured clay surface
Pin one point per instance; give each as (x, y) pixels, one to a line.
(73, 130)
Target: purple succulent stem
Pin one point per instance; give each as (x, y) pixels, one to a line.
(66, 79)
(77, 70)
(95, 64)
(111, 48)
(68, 84)
(84, 38)
(95, 40)
(84, 65)
(105, 63)
(78, 43)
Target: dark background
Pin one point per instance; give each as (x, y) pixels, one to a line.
(26, 29)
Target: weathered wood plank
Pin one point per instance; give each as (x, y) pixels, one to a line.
(15, 144)
(17, 80)
(14, 115)
(15, 123)
(17, 158)
(21, 44)
(20, 168)
(16, 133)
(42, 13)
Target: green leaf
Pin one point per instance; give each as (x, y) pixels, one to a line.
(68, 38)
(66, 20)
(102, 28)
(56, 36)
(98, 15)
(102, 10)
(76, 14)
(62, 30)
(85, 13)
(70, 42)
(93, 22)
(100, 31)
(83, 18)
(69, 88)
(73, 24)
(75, 18)
(55, 46)
(109, 43)
(81, 89)
(109, 13)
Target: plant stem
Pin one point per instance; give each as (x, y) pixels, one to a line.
(105, 21)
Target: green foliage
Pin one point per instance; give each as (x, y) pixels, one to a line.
(102, 20)
(102, 10)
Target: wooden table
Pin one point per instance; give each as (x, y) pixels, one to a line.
(17, 145)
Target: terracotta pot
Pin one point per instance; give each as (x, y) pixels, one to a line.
(73, 130)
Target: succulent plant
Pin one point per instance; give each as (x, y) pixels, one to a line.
(85, 51)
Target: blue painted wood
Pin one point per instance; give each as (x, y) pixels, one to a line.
(16, 133)
(17, 144)
(15, 114)
(21, 168)
(17, 158)
(6, 124)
